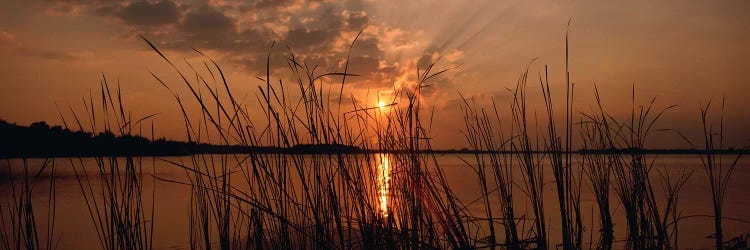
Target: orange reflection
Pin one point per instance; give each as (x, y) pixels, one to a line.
(384, 179)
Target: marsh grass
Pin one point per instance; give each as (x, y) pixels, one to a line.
(651, 220)
(112, 192)
(319, 201)
(567, 181)
(332, 200)
(483, 137)
(718, 171)
(397, 199)
(21, 228)
(596, 134)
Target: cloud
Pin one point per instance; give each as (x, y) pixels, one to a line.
(139, 13)
(79, 7)
(310, 39)
(48, 54)
(146, 13)
(206, 22)
(11, 45)
(319, 34)
(358, 20)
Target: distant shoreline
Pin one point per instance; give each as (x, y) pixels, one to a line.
(42, 141)
(297, 151)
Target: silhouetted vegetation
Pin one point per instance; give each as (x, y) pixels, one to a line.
(42, 140)
(257, 189)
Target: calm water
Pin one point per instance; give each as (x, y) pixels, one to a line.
(76, 230)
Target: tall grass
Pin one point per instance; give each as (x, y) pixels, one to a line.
(489, 143)
(396, 194)
(113, 192)
(531, 164)
(718, 170)
(596, 134)
(321, 201)
(20, 227)
(332, 200)
(651, 220)
(567, 182)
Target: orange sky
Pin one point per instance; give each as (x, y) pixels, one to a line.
(682, 52)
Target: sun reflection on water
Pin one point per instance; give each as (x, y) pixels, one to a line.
(384, 179)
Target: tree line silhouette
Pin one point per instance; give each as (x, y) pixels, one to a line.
(41, 140)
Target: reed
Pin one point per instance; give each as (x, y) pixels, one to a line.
(567, 182)
(486, 138)
(398, 197)
(718, 170)
(531, 164)
(596, 134)
(113, 191)
(321, 201)
(20, 227)
(651, 220)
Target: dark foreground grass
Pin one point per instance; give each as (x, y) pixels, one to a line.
(374, 201)
(20, 227)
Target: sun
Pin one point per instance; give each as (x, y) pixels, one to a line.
(381, 104)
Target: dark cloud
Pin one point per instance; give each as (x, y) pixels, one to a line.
(141, 13)
(312, 39)
(150, 13)
(425, 61)
(317, 32)
(358, 20)
(364, 65)
(254, 5)
(368, 46)
(260, 4)
(206, 22)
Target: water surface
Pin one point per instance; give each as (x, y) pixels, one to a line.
(75, 229)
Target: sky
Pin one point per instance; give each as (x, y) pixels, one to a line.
(684, 53)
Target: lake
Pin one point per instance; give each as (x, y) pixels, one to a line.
(172, 197)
